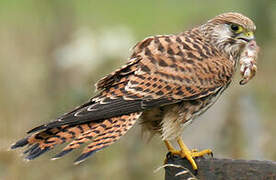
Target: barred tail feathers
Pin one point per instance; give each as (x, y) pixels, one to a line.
(101, 134)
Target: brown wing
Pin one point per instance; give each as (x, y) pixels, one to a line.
(169, 67)
(162, 70)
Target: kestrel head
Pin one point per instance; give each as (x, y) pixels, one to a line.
(230, 31)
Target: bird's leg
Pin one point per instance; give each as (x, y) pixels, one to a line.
(171, 148)
(184, 152)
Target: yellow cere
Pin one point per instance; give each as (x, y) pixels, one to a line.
(249, 33)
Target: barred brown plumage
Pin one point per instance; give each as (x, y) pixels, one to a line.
(168, 81)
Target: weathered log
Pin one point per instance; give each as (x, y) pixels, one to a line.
(178, 168)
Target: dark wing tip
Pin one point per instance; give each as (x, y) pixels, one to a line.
(38, 128)
(21, 143)
(83, 156)
(30, 149)
(62, 153)
(35, 152)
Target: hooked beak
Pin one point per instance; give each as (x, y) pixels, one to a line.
(246, 36)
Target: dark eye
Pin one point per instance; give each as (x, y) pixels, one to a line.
(235, 27)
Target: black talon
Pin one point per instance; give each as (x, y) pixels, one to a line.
(212, 155)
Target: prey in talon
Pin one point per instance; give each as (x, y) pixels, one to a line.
(248, 61)
(168, 81)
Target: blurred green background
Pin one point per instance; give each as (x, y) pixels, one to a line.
(52, 52)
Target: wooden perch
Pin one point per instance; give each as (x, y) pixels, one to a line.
(180, 169)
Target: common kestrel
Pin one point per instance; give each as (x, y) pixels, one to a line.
(168, 81)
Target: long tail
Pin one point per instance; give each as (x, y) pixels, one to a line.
(101, 134)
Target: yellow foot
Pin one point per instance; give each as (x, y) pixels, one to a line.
(184, 152)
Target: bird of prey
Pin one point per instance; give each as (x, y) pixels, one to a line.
(167, 82)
